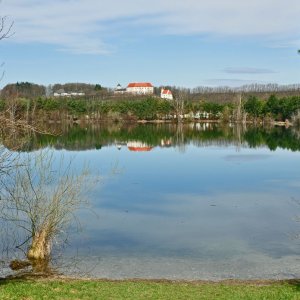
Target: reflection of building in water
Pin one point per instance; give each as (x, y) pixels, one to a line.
(203, 126)
(119, 145)
(166, 143)
(138, 146)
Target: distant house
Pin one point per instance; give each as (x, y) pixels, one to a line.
(76, 94)
(59, 93)
(140, 88)
(119, 89)
(62, 93)
(166, 94)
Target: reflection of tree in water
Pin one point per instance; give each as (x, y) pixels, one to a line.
(15, 140)
(295, 132)
(239, 132)
(273, 138)
(179, 139)
(17, 134)
(180, 135)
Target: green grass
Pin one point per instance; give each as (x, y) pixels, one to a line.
(72, 289)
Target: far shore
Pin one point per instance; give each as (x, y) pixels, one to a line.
(167, 121)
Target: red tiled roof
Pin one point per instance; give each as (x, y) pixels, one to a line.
(139, 84)
(166, 92)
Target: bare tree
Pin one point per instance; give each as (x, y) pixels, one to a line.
(42, 201)
(180, 97)
(254, 87)
(5, 122)
(34, 197)
(239, 109)
(5, 32)
(5, 28)
(9, 122)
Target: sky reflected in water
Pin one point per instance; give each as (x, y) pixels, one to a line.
(206, 204)
(191, 212)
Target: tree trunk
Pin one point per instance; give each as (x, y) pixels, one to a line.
(39, 251)
(41, 246)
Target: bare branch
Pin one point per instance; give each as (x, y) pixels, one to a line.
(5, 30)
(42, 201)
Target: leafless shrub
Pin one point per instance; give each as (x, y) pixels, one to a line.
(5, 32)
(42, 201)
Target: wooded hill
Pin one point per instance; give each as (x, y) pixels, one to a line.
(31, 90)
(220, 95)
(99, 104)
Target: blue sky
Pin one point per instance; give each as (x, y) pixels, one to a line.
(167, 42)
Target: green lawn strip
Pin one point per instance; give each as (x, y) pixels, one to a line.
(79, 289)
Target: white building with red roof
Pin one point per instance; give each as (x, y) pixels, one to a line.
(140, 88)
(166, 94)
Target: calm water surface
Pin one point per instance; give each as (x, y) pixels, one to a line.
(191, 202)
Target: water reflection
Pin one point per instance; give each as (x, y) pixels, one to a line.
(197, 201)
(80, 137)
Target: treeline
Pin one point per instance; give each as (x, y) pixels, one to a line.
(144, 108)
(273, 108)
(254, 87)
(27, 100)
(130, 109)
(32, 90)
(153, 108)
(23, 90)
(215, 94)
(88, 89)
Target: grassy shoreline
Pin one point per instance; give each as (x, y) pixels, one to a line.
(70, 288)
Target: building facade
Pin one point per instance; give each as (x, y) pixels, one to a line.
(119, 90)
(166, 94)
(140, 88)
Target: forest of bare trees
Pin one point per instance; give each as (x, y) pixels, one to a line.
(213, 94)
(23, 90)
(254, 87)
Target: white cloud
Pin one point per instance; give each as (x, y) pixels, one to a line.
(82, 26)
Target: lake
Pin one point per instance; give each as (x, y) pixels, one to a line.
(195, 201)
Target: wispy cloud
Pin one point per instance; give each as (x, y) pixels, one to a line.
(247, 70)
(84, 26)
